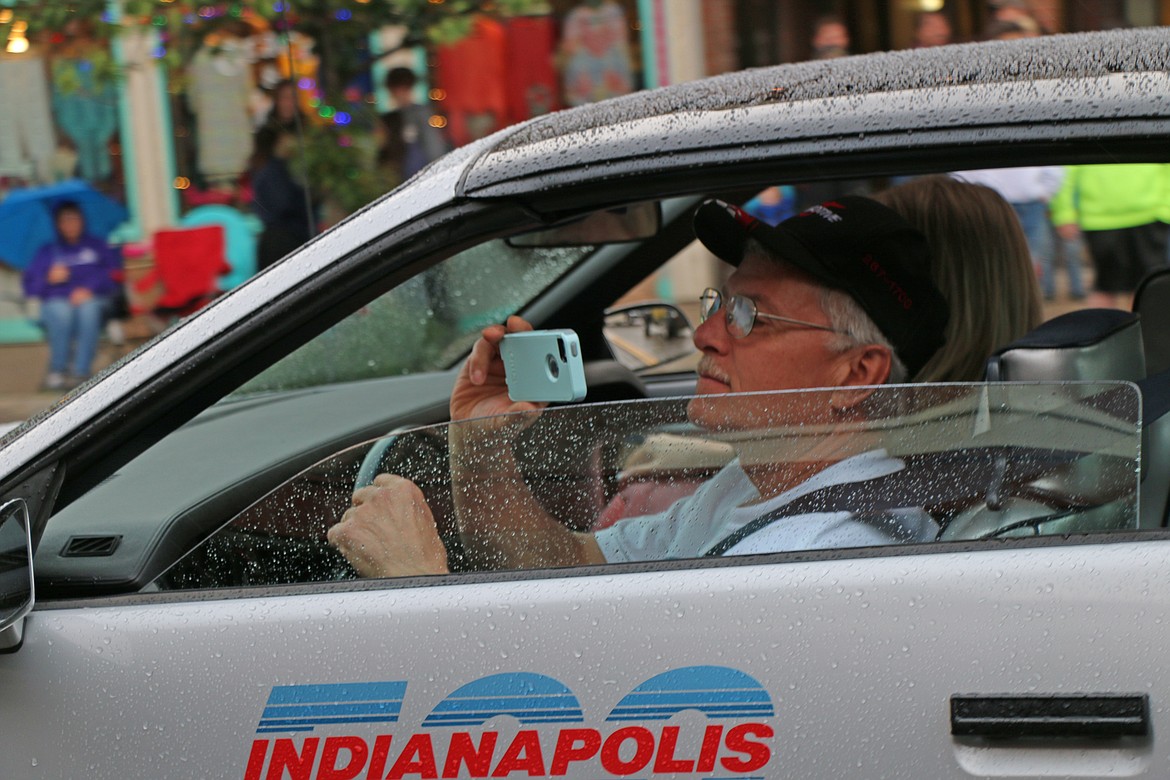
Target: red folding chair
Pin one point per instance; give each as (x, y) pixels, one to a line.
(187, 266)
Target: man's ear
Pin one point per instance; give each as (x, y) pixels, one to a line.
(868, 364)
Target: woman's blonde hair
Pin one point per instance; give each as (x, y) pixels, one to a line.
(981, 264)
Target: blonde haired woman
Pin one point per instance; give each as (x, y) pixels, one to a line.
(982, 265)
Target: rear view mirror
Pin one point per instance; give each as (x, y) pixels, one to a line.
(612, 226)
(16, 577)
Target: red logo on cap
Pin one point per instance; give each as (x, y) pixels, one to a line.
(870, 262)
(740, 216)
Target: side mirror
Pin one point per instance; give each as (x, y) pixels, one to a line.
(16, 574)
(648, 334)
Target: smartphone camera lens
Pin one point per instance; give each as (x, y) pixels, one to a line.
(554, 370)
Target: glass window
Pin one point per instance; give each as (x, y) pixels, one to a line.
(206, 471)
(709, 476)
(426, 324)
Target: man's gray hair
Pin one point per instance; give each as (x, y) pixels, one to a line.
(856, 328)
(845, 315)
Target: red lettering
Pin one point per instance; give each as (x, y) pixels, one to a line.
(378, 760)
(757, 753)
(358, 751)
(523, 754)
(611, 759)
(417, 758)
(665, 760)
(710, 749)
(285, 756)
(574, 745)
(256, 759)
(463, 751)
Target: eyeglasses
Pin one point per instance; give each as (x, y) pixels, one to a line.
(741, 313)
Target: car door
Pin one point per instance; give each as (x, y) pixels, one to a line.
(994, 656)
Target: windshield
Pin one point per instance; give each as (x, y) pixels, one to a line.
(426, 324)
(713, 476)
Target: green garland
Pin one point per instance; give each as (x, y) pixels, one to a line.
(427, 22)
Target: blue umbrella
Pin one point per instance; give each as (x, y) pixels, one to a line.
(26, 217)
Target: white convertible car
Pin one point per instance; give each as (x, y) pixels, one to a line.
(190, 620)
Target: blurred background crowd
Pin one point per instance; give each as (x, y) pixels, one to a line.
(166, 150)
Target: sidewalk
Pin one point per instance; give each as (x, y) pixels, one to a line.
(22, 368)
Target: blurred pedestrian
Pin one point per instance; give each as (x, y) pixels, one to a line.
(285, 114)
(279, 198)
(773, 205)
(409, 141)
(1008, 31)
(931, 28)
(73, 276)
(1122, 211)
(830, 38)
(1029, 190)
(1015, 12)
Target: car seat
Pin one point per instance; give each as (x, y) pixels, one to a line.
(1151, 303)
(241, 232)
(1085, 345)
(187, 263)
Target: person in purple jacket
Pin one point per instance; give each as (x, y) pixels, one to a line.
(73, 277)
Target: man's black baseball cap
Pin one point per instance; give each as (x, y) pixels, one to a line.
(853, 244)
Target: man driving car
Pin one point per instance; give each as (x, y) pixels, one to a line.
(839, 296)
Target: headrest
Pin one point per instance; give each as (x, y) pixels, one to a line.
(1151, 302)
(1082, 345)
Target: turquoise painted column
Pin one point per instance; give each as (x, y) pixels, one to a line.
(649, 14)
(145, 130)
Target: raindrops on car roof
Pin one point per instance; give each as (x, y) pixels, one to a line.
(1050, 57)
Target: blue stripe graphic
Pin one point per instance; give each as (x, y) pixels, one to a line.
(323, 721)
(697, 697)
(275, 729)
(338, 692)
(526, 696)
(309, 710)
(480, 717)
(666, 713)
(748, 708)
(559, 701)
(715, 691)
(302, 707)
(525, 721)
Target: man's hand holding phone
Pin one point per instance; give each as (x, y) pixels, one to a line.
(482, 387)
(546, 366)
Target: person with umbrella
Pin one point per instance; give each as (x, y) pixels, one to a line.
(73, 276)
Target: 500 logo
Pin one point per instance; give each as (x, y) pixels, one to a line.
(553, 740)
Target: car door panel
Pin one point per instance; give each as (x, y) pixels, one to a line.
(859, 658)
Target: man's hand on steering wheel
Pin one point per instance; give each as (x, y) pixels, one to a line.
(389, 531)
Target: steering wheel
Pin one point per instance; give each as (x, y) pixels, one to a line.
(420, 455)
(371, 465)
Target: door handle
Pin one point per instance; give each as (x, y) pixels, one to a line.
(1011, 716)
